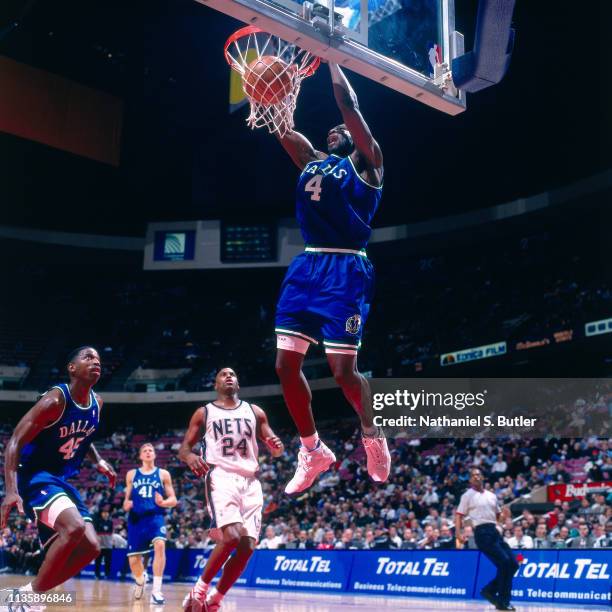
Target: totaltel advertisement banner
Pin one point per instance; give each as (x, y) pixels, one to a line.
(318, 570)
(564, 576)
(554, 576)
(415, 573)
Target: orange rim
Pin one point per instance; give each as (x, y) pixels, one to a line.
(306, 71)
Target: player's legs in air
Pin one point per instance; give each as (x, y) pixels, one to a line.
(357, 391)
(326, 295)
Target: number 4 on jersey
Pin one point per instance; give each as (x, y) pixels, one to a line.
(314, 186)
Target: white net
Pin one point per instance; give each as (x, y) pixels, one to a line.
(272, 72)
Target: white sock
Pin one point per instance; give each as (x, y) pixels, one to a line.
(310, 443)
(370, 431)
(140, 581)
(157, 582)
(214, 597)
(201, 586)
(27, 588)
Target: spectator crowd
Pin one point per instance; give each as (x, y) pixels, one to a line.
(345, 510)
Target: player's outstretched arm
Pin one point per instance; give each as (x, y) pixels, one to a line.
(194, 462)
(300, 149)
(346, 99)
(266, 435)
(46, 411)
(170, 500)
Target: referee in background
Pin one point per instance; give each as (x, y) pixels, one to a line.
(483, 509)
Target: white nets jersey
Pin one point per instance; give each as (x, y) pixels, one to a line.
(230, 438)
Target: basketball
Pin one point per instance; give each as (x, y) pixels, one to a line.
(268, 79)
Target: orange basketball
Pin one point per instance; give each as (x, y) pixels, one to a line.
(268, 79)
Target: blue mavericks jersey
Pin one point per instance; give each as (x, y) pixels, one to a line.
(335, 205)
(61, 447)
(144, 487)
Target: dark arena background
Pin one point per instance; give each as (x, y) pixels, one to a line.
(141, 217)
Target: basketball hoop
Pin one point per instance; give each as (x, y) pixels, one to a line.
(272, 71)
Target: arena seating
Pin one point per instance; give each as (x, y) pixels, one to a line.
(525, 289)
(345, 510)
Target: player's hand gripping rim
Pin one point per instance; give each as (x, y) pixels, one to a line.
(10, 501)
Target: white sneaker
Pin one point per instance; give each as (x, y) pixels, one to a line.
(194, 601)
(139, 590)
(310, 465)
(157, 599)
(212, 607)
(379, 458)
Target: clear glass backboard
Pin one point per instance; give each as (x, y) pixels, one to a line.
(404, 44)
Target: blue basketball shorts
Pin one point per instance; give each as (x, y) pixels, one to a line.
(326, 295)
(143, 531)
(39, 492)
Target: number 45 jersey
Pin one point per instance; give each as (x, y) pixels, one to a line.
(230, 438)
(60, 448)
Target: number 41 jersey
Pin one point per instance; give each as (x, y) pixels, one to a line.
(230, 438)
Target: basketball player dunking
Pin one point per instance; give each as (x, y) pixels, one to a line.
(146, 526)
(328, 289)
(48, 447)
(228, 429)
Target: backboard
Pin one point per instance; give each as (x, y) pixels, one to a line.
(406, 45)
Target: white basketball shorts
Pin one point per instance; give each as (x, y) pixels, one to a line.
(232, 498)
